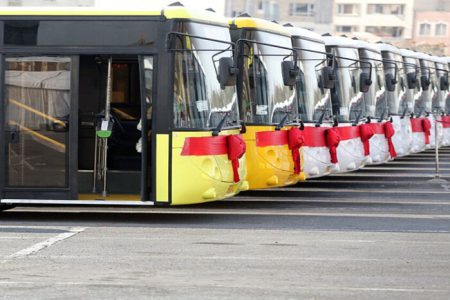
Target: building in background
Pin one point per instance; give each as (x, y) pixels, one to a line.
(316, 15)
(390, 20)
(431, 32)
(47, 2)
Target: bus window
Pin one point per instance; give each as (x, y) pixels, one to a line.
(38, 95)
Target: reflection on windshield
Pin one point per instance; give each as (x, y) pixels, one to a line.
(199, 101)
(374, 99)
(438, 100)
(265, 98)
(346, 98)
(423, 102)
(396, 100)
(412, 95)
(313, 101)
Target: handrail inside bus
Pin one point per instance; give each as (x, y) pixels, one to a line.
(37, 112)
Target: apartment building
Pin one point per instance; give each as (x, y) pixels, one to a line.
(432, 26)
(390, 20)
(47, 2)
(316, 15)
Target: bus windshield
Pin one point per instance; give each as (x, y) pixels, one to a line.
(314, 102)
(199, 100)
(396, 100)
(439, 100)
(423, 103)
(375, 98)
(347, 100)
(265, 98)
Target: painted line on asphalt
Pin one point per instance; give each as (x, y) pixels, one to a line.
(45, 244)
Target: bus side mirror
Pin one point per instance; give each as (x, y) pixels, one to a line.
(328, 77)
(425, 82)
(411, 79)
(364, 82)
(390, 82)
(443, 84)
(227, 72)
(290, 72)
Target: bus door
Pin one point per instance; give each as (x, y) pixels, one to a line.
(115, 107)
(40, 131)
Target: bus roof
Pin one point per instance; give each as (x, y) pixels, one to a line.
(170, 12)
(259, 24)
(302, 33)
(340, 41)
(384, 47)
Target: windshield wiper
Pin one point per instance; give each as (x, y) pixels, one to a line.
(282, 122)
(420, 112)
(404, 113)
(320, 121)
(219, 127)
(382, 115)
(357, 118)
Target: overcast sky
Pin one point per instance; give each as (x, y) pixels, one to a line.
(217, 5)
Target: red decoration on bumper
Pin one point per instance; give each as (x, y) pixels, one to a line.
(445, 121)
(426, 125)
(236, 149)
(332, 138)
(366, 132)
(389, 133)
(296, 140)
(232, 145)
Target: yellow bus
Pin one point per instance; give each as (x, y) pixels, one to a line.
(268, 73)
(116, 107)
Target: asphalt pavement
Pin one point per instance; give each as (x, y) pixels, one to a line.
(379, 233)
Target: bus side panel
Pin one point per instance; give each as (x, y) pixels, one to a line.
(162, 168)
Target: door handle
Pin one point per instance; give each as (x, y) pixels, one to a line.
(13, 135)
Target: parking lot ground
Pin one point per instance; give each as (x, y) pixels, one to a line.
(379, 233)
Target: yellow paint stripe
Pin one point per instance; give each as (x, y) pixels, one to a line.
(162, 168)
(260, 24)
(40, 136)
(37, 112)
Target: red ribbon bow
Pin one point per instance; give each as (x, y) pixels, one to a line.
(236, 149)
(366, 132)
(426, 125)
(295, 140)
(389, 133)
(332, 139)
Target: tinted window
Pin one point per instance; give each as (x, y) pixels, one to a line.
(79, 33)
